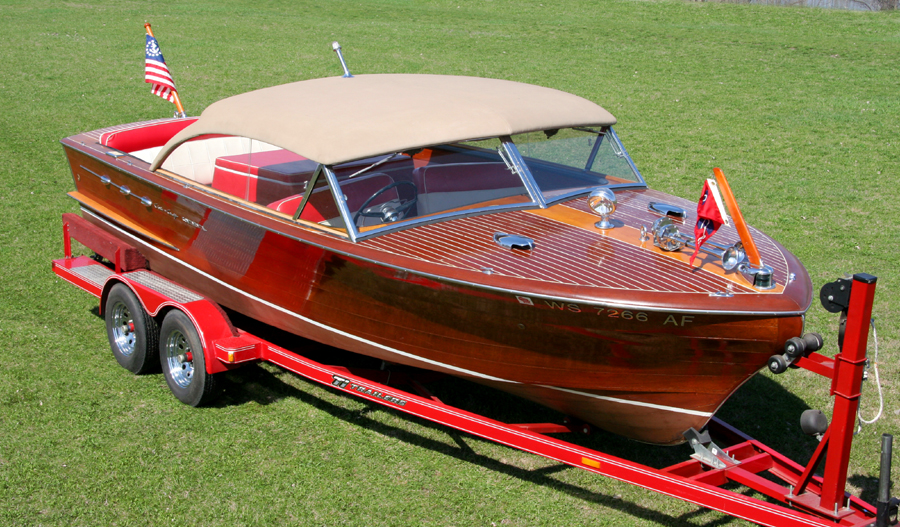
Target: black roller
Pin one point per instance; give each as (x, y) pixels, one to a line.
(813, 341)
(777, 364)
(813, 422)
(794, 347)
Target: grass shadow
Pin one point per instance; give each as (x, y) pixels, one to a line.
(869, 486)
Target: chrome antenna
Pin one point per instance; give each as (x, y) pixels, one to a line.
(337, 49)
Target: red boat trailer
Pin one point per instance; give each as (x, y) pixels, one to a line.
(805, 499)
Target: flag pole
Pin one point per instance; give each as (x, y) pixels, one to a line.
(178, 105)
(739, 223)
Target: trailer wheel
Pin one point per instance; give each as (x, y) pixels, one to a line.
(133, 334)
(183, 362)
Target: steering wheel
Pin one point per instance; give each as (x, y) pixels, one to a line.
(385, 212)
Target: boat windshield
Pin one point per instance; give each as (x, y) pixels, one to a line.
(575, 160)
(430, 183)
(485, 175)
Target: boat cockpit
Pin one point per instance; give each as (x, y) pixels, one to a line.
(396, 190)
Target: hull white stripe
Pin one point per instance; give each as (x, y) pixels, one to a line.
(635, 403)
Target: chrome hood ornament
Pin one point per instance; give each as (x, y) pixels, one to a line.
(603, 202)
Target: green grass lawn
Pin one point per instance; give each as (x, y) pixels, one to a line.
(799, 107)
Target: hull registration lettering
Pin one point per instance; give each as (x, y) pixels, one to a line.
(623, 314)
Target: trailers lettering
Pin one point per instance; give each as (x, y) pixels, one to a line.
(341, 382)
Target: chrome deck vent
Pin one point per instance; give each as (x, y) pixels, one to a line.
(512, 241)
(665, 209)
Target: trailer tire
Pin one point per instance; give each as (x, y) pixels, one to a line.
(133, 334)
(183, 361)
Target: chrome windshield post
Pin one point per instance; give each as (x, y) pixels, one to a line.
(341, 202)
(310, 185)
(514, 158)
(624, 153)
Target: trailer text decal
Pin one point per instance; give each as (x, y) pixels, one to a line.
(341, 382)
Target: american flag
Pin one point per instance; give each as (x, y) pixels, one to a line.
(157, 73)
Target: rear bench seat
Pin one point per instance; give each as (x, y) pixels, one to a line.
(196, 159)
(452, 185)
(144, 136)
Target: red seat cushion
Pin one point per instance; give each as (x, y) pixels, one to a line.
(145, 135)
(289, 206)
(263, 177)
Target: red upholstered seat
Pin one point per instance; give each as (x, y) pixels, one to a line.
(289, 206)
(145, 135)
(451, 185)
(459, 177)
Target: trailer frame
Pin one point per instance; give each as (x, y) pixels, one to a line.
(803, 499)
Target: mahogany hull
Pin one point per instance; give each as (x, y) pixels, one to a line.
(638, 361)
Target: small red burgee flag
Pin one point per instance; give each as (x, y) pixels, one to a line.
(710, 216)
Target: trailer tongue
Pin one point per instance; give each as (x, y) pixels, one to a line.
(198, 341)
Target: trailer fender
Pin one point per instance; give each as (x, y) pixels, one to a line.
(224, 347)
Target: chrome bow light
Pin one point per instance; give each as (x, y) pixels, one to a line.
(603, 202)
(733, 256)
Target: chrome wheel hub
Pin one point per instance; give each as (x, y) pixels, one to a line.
(180, 359)
(123, 329)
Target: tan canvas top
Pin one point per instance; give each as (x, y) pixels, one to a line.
(336, 119)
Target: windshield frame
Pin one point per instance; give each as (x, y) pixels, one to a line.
(608, 134)
(515, 161)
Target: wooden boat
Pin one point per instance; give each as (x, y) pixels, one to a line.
(445, 223)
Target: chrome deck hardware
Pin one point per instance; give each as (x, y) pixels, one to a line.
(667, 237)
(666, 209)
(603, 202)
